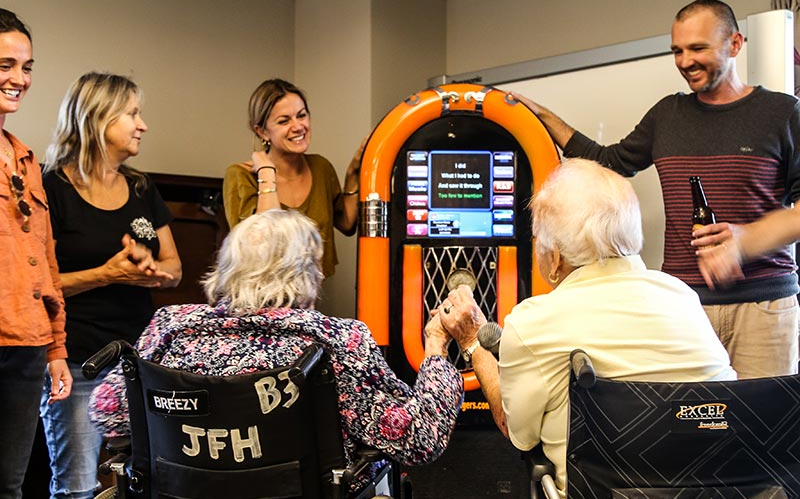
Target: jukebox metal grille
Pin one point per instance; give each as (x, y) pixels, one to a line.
(440, 263)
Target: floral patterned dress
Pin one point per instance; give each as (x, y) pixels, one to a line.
(411, 424)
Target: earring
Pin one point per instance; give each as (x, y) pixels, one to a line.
(553, 277)
(267, 145)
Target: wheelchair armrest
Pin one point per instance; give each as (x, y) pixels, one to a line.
(537, 463)
(302, 368)
(104, 357)
(119, 445)
(542, 473)
(119, 448)
(364, 457)
(108, 466)
(582, 368)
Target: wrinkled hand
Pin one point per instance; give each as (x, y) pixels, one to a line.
(134, 264)
(718, 255)
(436, 338)
(461, 316)
(61, 380)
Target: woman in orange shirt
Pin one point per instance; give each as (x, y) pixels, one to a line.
(31, 304)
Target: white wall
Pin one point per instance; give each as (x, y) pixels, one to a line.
(484, 34)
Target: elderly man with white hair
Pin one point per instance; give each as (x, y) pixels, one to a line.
(634, 323)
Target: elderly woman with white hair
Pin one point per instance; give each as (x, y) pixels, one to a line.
(634, 323)
(261, 315)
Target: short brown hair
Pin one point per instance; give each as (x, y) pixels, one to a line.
(722, 11)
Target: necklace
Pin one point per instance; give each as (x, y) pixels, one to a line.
(9, 153)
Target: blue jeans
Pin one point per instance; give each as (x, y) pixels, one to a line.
(21, 373)
(72, 440)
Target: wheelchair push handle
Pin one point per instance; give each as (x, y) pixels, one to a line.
(582, 368)
(104, 357)
(302, 368)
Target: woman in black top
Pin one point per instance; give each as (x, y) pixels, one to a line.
(112, 244)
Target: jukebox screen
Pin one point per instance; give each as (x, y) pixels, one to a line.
(460, 194)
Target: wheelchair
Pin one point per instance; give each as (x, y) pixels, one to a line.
(268, 434)
(640, 440)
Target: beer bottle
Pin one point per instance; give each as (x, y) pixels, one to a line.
(702, 214)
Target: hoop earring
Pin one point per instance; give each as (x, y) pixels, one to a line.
(267, 145)
(553, 277)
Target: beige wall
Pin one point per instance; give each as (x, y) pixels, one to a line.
(332, 65)
(486, 34)
(199, 60)
(408, 44)
(356, 59)
(196, 60)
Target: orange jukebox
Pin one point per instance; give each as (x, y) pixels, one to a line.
(445, 181)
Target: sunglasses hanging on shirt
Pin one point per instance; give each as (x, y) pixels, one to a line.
(18, 186)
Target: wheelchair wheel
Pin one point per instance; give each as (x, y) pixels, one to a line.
(109, 493)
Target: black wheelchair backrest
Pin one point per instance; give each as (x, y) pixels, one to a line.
(709, 439)
(259, 435)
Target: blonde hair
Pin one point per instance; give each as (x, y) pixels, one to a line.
(589, 213)
(270, 259)
(92, 103)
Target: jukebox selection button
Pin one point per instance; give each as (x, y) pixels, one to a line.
(417, 186)
(501, 216)
(503, 186)
(417, 230)
(417, 215)
(503, 201)
(503, 230)
(417, 171)
(503, 172)
(417, 201)
(418, 157)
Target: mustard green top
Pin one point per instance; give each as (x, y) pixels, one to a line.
(323, 203)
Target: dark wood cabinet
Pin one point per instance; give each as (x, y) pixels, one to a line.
(198, 227)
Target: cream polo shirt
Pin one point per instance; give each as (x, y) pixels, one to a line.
(634, 323)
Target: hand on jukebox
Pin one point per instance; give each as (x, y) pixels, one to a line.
(461, 317)
(436, 338)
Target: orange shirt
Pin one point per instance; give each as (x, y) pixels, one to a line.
(31, 302)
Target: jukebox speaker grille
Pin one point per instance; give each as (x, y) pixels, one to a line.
(439, 263)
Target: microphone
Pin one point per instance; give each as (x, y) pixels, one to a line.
(489, 337)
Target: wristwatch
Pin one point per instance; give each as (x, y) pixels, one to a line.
(467, 352)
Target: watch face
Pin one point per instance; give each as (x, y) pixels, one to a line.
(461, 276)
(467, 352)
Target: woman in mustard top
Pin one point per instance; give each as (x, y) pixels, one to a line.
(284, 175)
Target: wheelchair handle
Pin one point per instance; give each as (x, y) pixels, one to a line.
(104, 357)
(302, 368)
(582, 368)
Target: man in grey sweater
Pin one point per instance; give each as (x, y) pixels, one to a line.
(744, 142)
